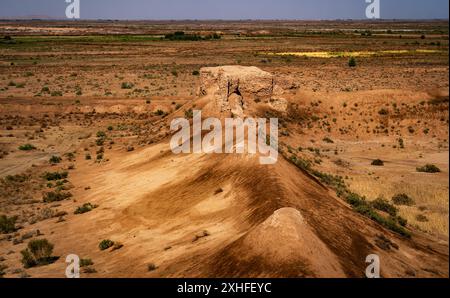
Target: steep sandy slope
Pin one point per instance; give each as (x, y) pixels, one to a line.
(225, 215)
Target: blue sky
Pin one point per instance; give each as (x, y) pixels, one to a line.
(227, 9)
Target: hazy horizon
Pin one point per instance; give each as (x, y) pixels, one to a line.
(159, 10)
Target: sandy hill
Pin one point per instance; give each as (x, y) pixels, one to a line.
(226, 215)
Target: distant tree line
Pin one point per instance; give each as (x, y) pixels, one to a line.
(180, 35)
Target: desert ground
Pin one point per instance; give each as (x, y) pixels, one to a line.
(85, 161)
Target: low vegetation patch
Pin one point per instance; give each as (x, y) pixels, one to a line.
(50, 176)
(181, 36)
(429, 168)
(86, 262)
(359, 204)
(384, 205)
(126, 85)
(377, 162)
(7, 224)
(38, 253)
(328, 140)
(87, 207)
(27, 147)
(105, 244)
(393, 223)
(56, 196)
(402, 200)
(55, 159)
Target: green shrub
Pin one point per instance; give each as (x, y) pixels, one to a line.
(86, 262)
(7, 224)
(55, 159)
(37, 253)
(159, 112)
(403, 222)
(363, 207)
(402, 199)
(105, 244)
(378, 162)
(88, 157)
(352, 62)
(328, 140)
(429, 168)
(27, 147)
(56, 93)
(50, 176)
(85, 208)
(421, 218)
(101, 134)
(189, 114)
(126, 85)
(56, 196)
(195, 73)
(28, 260)
(384, 205)
(100, 141)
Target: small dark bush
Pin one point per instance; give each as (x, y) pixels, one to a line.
(105, 244)
(328, 140)
(56, 196)
(38, 253)
(151, 267)
(378, 162)
(189, 114)
(402, 199)
(55, 159)
(49, 176)
(27, 147)
(429, 168)
(101, 134)
(384, 205)
(352, 62)
(7, 224)
(85, 208)
(86, 262)
(56, 93)
(126, 85)
(421, 218)
(195, 73)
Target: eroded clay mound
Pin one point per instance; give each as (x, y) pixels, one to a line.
(283, 245)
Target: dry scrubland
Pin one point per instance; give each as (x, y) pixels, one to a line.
(84, 154)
